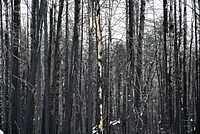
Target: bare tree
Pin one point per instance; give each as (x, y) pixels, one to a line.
(89, 101)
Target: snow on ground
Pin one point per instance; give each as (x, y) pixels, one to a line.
(1, 132)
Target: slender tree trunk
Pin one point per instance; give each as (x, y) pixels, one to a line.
(15, 69)
(184, 69)
(165, 63)
(7, 83)
(80, 95)
(124, 121)
(109, 91)
(170, 101)
(139, 83)
(50, 59)
(89, 109)
(66, 82)
(197, 56)
(35, 52)
(56, 68)
(73, 67)
(45, 127)
(131, 72)
(99, 59)
(2, 71)
(177, 90)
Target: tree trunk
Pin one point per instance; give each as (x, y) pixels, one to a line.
(45, 127)
(177, 116)
(100, 69)
(15, 69)
(73, 67)
(56, 68)
(35, 51)
(165, 64)
(89, 105)
(131, 71)
(66, 77)
(139, 80)
(184, 69)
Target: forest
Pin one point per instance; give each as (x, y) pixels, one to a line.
(100, 66)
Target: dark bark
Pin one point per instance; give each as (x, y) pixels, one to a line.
(170, 100)
(7, 83)
(184, 69)
(139, 81)
(177, 90)
(36, 23)
(131, 72)
(73, 67)
(50, 57)
(66, 77)
(89, 101)
(165, 64)
(15, 69)
(80, 95)
(56, 69)
(2, 76)
(45, 127)
(197, 70)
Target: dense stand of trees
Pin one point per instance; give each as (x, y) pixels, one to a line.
(95, 66)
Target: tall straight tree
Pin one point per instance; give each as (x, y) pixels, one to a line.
(177, 89)
(197, 70)
(165, 30)
(170, 96)
(15, 68)
(180, 50)
(184, 69)
(100, 68)
(56, 68)
(79, 111)
(197, 67)
(66, 77)
(139, 84)
(36, 24)
(73, 67)
(108, 93)
(45, 128)
(7, 72)
(89, 107)
(131, 51)
(124, 122)
(2, 76)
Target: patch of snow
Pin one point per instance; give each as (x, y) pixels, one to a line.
(94, 130)
(115, 122)
(1, 132)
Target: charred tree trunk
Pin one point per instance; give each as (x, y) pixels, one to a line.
(73, 67)
(15, 69)
(131, 71)
(177, 89)
(89, 101)
(56, 68)
(45, 120)
(139, 80)
(100, 69)
(36, 24)
(184, 70)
